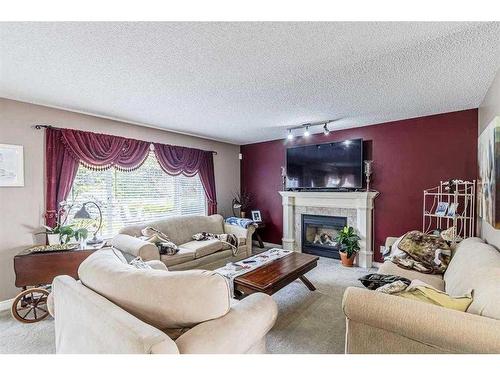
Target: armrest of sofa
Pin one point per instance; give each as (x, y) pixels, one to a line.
(136, 247)
(241, 232)
(246, 323)
(431, 325)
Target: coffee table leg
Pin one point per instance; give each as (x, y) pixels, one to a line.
(306, 281)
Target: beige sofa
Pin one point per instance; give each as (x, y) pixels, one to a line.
(209, 254)
(117, 308)
(382, 323)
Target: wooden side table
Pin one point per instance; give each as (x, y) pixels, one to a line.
(260, 225)
(34, 271)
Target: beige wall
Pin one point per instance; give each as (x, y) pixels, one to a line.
(21, 208)
(490, 108)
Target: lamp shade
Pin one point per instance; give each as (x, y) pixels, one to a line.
(82, 213)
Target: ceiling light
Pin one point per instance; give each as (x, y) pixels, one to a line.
(326, 131)
(306, 132)
(290, 135)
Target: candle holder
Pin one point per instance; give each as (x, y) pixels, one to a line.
(368, 173)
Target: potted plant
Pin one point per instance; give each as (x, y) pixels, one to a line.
(64, 233)
(243, 201)
(349, 245)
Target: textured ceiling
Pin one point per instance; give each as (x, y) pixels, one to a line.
(246, 82)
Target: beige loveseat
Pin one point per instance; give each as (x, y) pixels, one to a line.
(209, 254)
(117, 308)
(383, 323)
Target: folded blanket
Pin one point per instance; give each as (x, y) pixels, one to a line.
(226, 238)
(239, 221)
(423, 253)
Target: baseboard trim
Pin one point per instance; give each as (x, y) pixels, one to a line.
(6, 305)
(267, 244)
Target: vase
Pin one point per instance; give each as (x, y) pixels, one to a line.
(347, 261)
(53, 239)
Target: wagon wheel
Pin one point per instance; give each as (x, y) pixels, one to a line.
(30, 306)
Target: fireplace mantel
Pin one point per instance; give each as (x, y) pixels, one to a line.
(359, 202)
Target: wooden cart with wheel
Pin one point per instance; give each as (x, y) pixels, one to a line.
(34, 274)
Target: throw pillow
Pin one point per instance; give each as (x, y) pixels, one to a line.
(420, 291)
(140, 264)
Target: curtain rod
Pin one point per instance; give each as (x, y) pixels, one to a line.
(43, 126)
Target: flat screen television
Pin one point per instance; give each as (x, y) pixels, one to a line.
(335, 165)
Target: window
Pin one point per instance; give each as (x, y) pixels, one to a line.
(146, 194)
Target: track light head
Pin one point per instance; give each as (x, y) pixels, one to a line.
(290, 135)
(306, 132)
(326, 131)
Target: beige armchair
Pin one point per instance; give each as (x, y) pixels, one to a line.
(117, 308)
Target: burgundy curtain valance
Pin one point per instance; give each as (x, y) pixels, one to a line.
(66, 148)
(101, 151)
(175, 160)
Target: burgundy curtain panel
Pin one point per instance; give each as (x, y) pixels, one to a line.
(66, 148)
(175, 160)
(61, 168)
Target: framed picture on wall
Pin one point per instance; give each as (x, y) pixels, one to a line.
(489, 165)
(11, 165)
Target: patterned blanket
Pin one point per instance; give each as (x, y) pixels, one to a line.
(423, 253)
(241, 222)
(227, 238)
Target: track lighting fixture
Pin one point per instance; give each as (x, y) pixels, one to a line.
(306, 126)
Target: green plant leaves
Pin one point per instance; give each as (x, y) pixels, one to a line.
(348, 240)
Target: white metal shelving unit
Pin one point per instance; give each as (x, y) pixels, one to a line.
(462, 193)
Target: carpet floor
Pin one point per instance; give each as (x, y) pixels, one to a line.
(308, 322)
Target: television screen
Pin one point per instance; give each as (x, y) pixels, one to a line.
(336, 165)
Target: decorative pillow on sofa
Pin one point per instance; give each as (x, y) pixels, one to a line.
(160, 239)
(423, 292)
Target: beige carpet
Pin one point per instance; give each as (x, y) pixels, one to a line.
(308, 322)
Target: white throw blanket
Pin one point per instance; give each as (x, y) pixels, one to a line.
(232, 270)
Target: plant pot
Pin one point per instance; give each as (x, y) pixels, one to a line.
(243, 214)
(347, 262)
(53, 239)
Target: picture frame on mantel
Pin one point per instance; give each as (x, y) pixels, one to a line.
(11, 165)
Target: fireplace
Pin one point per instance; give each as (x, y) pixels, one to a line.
(319, 233)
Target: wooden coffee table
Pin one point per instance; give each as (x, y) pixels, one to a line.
(275, 275)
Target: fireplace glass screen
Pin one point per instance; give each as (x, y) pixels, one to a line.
(319, 233)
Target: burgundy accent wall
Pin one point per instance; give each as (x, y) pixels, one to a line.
(409, 156)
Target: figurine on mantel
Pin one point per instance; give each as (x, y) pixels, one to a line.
(368, 173)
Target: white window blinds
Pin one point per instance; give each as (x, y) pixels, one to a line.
(146, 194)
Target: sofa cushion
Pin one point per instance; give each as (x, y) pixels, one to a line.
(163, 299)
(469, 255)
(476, 266)
(180, 229)
(203, 248)
(182, 256)
(389, 268)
